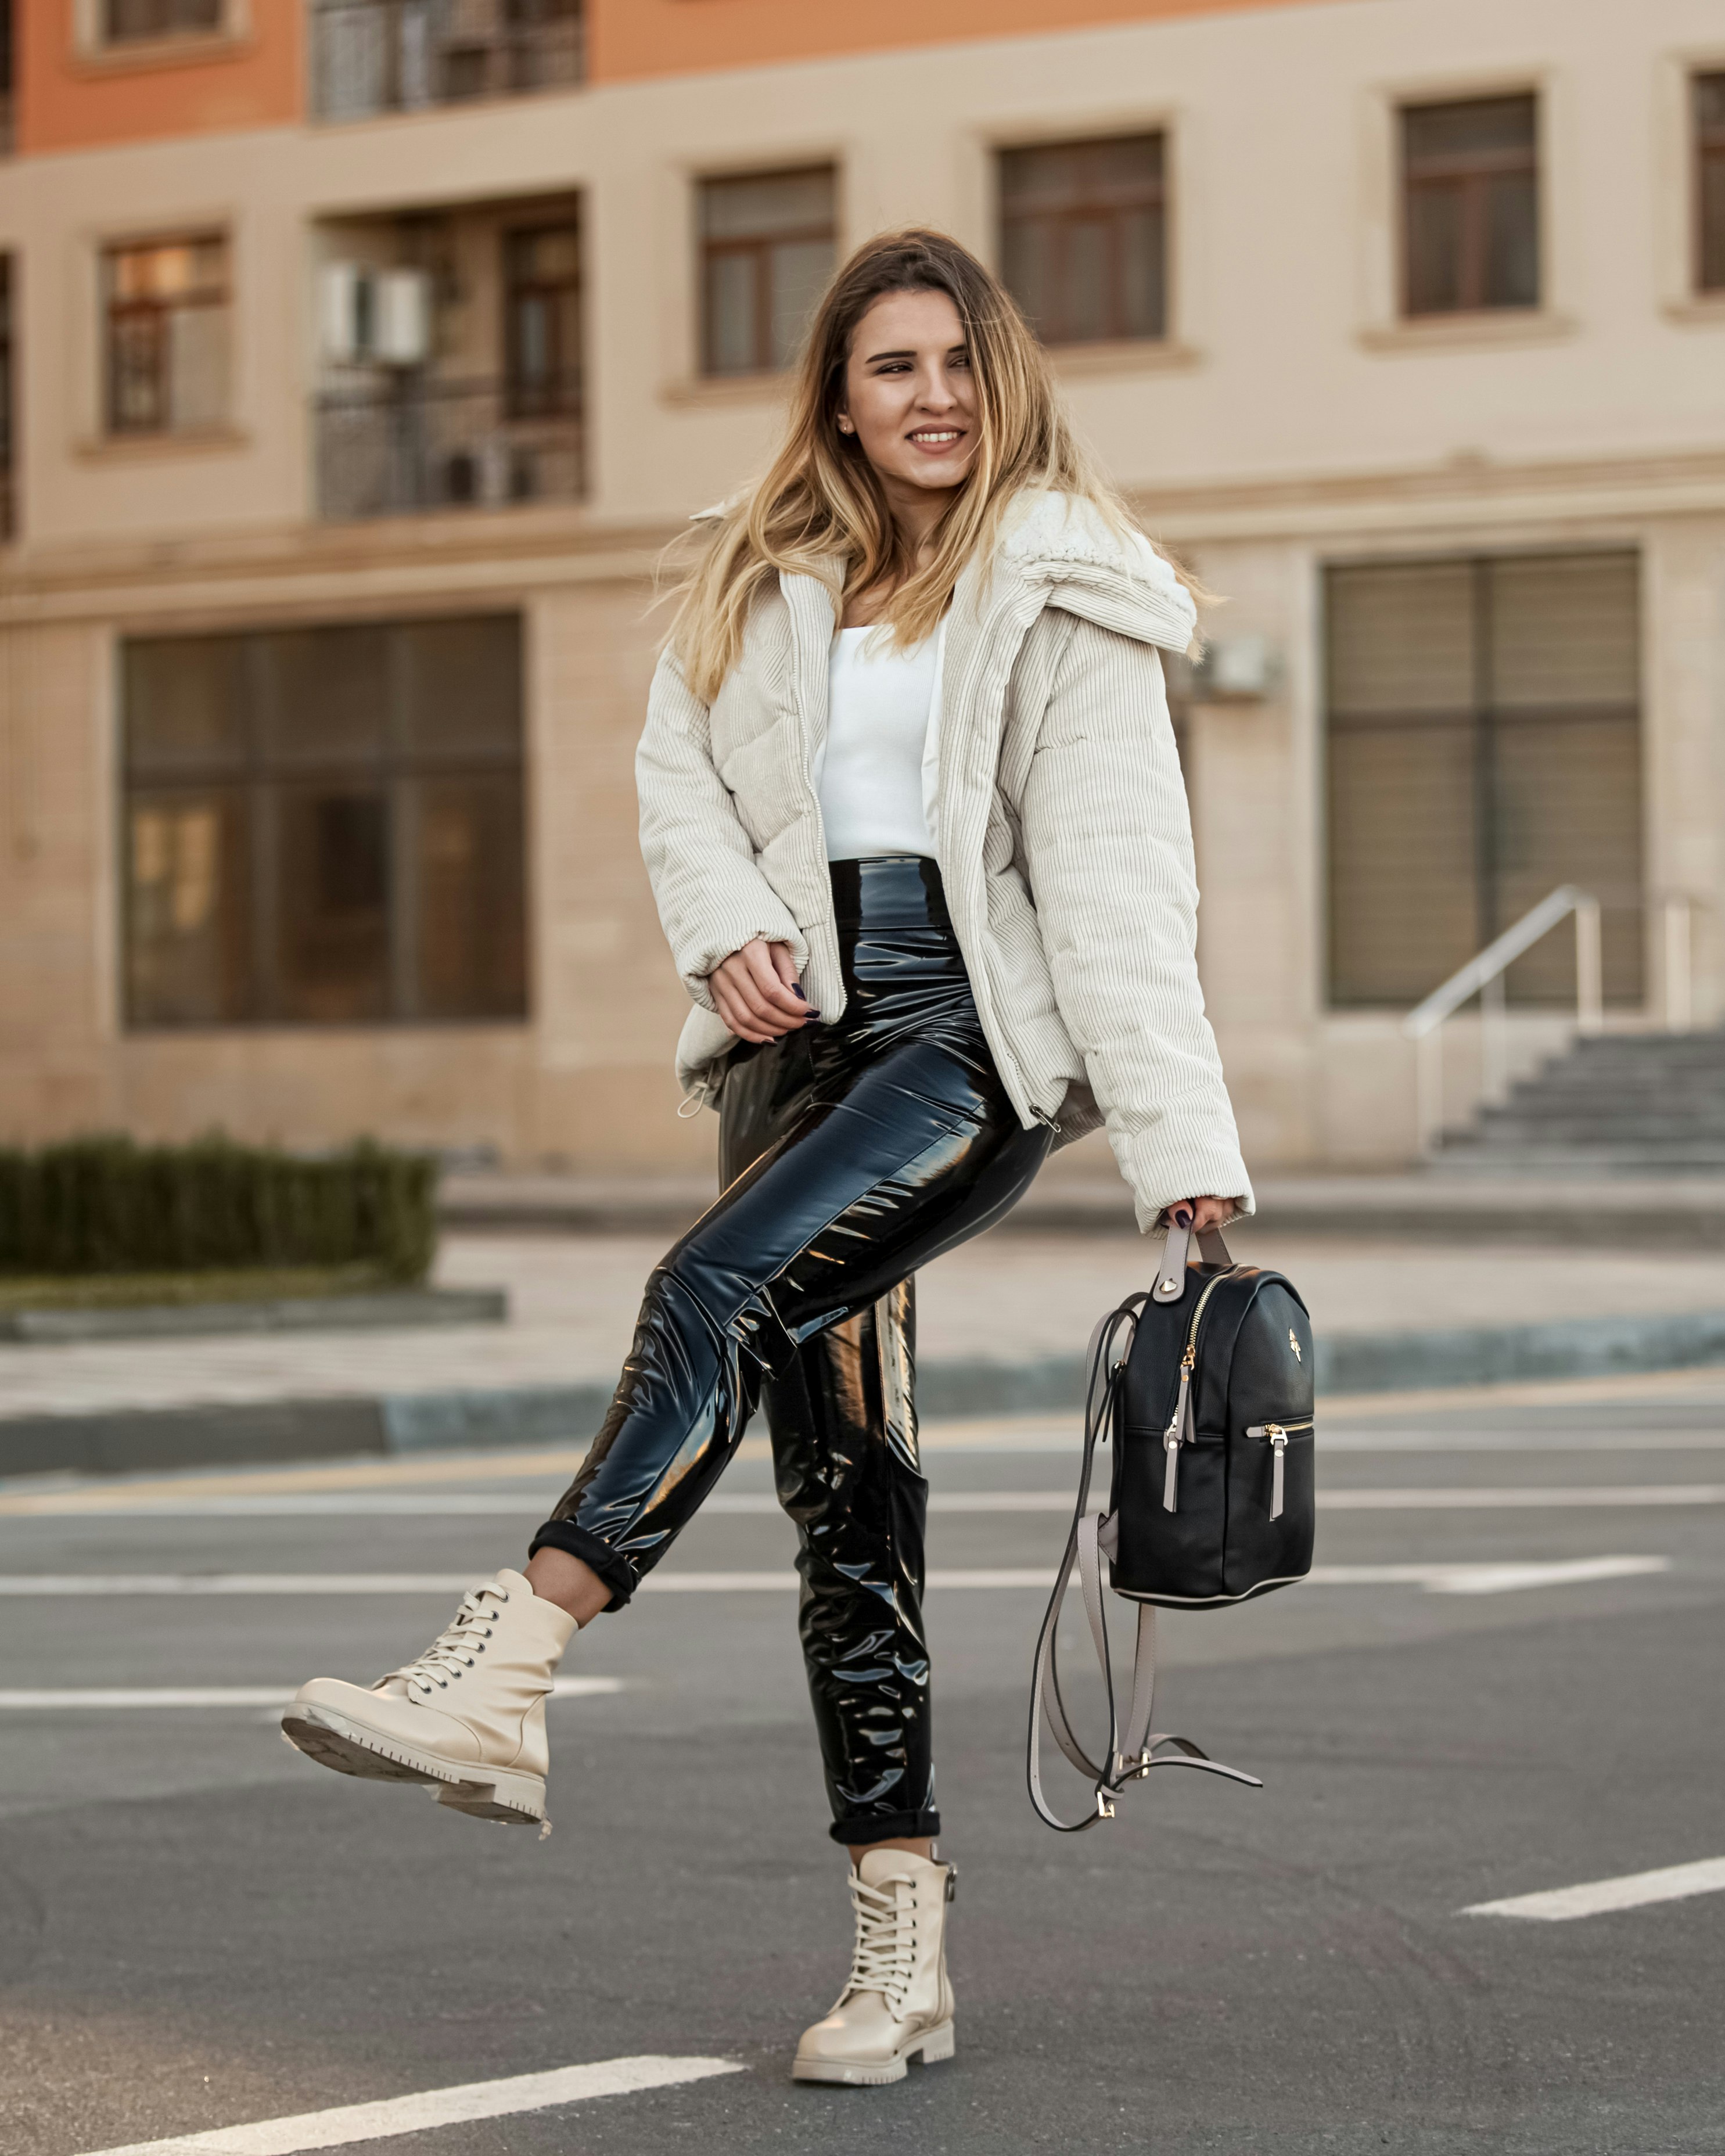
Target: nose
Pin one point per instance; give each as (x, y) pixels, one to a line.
(932, 392)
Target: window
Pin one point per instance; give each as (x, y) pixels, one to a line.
(1709, 92)
(370, 56)
(1483, 746)
(1470, 206)
(125, 22)
(1083, 239)
(167, 335)
(541, 276)
(767, 244)
(6, 387)
(324, 826)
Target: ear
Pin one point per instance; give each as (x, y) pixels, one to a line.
(846, 424)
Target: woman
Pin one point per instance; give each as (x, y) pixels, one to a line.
(915, 822)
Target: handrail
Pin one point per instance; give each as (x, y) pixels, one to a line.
(1486, 965)
(1482, 976)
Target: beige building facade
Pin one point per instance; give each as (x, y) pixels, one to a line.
(346, 440)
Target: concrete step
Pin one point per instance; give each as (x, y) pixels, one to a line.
(1582, 1162)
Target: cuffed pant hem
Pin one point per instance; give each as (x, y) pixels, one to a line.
(885, 1826)
(582, 1543)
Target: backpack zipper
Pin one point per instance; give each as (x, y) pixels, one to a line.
(1278, 1433)
(1175, 1435)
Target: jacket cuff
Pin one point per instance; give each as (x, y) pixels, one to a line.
(713, 954)
(1159, 1178)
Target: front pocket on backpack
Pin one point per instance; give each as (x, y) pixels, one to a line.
(1279, 1437)
(1267, 1541)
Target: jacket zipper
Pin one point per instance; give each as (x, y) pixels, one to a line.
(1278, 1433)
(1179, 1431)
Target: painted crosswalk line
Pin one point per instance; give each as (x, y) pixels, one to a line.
(74, 1697)
(1497, 1577)
(1597, 1897)
(429, 2108)
(752, 1503)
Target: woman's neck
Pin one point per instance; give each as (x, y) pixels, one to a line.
(916, 512)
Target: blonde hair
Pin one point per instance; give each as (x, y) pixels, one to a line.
(821, 503)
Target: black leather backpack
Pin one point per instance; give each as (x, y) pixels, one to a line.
(1203, 1386)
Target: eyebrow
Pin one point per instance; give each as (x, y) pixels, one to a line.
(875, 358)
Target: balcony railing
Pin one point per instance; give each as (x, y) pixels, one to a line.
(401, 55)
(398, 448)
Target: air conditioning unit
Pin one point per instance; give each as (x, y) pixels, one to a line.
(380, 317)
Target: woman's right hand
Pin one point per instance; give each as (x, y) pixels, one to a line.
(755, 992)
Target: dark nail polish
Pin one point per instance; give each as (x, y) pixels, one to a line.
(796, 990)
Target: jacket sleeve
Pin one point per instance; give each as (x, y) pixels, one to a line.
(712, 895)
(1108, 846)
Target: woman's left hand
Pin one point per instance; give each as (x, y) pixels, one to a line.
(1206, 1212)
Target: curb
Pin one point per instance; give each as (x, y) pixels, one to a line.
(272, 1432)
(390, 1309)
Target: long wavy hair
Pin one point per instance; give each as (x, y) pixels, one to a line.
(821, 508)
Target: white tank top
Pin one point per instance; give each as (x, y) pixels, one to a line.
(877, 772)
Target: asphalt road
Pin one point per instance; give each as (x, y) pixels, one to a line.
(198, 1928)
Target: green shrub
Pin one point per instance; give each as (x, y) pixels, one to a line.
(108, 1205)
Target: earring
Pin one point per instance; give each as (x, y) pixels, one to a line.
(846, 427)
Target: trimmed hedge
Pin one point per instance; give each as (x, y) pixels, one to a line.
(108, 1205)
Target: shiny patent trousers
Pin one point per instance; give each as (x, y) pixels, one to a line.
(851, 1153)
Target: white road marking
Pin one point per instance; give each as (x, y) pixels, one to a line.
(432, 2108)
(1487, 1500)
(1634, 1891)
(752, 1503)
(173, 1696)
(1478, 1579)
(1486, 1578)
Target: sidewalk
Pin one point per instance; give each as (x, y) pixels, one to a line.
(1002, 1325)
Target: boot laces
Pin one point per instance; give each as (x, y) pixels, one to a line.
(457, 1646)
(884, 1957)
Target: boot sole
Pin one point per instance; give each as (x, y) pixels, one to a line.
(933, 2046)
(336, 1741)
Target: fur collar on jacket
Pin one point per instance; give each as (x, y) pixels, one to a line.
(1116, 579)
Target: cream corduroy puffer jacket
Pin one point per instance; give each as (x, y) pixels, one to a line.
(1065, 846)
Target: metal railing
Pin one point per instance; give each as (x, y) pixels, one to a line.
(1483, 976)
(370, 56)
(408, 445)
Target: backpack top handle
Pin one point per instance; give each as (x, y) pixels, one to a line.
(1171, 1273)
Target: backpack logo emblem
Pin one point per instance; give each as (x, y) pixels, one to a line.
(1294, 1345)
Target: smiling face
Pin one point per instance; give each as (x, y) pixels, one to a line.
(910, 396)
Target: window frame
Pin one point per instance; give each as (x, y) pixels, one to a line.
(1160, 130)
(1482, 715)
(259, 786)
(706, 250)
(567, 393)
(1474, 177)
(108, 39)
(1698, 146)
(109, 311)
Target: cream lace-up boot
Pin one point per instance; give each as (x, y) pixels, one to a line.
(898, 2001)
(468, 1715)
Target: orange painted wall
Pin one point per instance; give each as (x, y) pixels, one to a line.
(68, 101)
(628, 38)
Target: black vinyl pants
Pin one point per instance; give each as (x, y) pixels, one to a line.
(850, 1154)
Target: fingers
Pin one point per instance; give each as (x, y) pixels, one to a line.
(1199, 1213)
(751, 992)
(766, 978)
